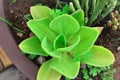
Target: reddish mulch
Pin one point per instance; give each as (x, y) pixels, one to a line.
(15, 13)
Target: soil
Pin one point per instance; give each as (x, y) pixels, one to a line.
(15, 13)
(108, 39)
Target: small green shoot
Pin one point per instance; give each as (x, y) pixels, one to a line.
(11, 25)
(31, 56)
(117, 39)
(57, 12)
(28, 17)
(85, 74)
(67, 79)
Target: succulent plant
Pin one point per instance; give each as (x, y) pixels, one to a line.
(67, 41)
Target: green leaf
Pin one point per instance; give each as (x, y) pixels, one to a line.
(99, 56)
(39, 12)
(64, 24)
(70, 47)
(60, 42)
(88, 37)
(32, 46)
(48, 48)
(66, 66)
(32, 56)
(46, 73)
(79, 16)
(40, 29)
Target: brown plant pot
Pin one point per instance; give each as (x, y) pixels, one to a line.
(8, 44)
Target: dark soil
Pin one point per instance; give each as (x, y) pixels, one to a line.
(15, 13)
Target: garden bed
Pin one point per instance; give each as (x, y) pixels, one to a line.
(15, 12)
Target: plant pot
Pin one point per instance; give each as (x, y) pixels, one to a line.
(19, 60)
(8, 44)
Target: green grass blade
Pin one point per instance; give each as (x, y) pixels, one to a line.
(107, 11)
(93, 4)
(77, 4)
(11, 24)
(98, 9)
(86, 8)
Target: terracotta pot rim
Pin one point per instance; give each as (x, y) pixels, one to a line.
(8, 44)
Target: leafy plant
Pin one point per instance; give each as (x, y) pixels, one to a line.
(86, 75)
(106, 73)
(67, 41)
(95, 10)
(57, 12)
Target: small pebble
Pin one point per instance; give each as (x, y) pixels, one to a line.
(112, 15)
(20, 35)
(23, 22)
(109, 23)
(11, 11)
(16, 16)
(116, 13)
(118, 48)
(31, 34)
(83, 66)
(41, 59)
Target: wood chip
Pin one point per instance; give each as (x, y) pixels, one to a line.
(4, 59)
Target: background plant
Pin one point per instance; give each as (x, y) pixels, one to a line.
(95, 10)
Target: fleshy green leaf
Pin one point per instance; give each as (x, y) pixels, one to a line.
(79, 16)
(99, 56)
(39, 12)
(60, 42)
(48, 48)
(88, 37)
(66, 66)
(70, 47)
(46, 73)
(40, 29)
(64, 24)
(32, 46)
